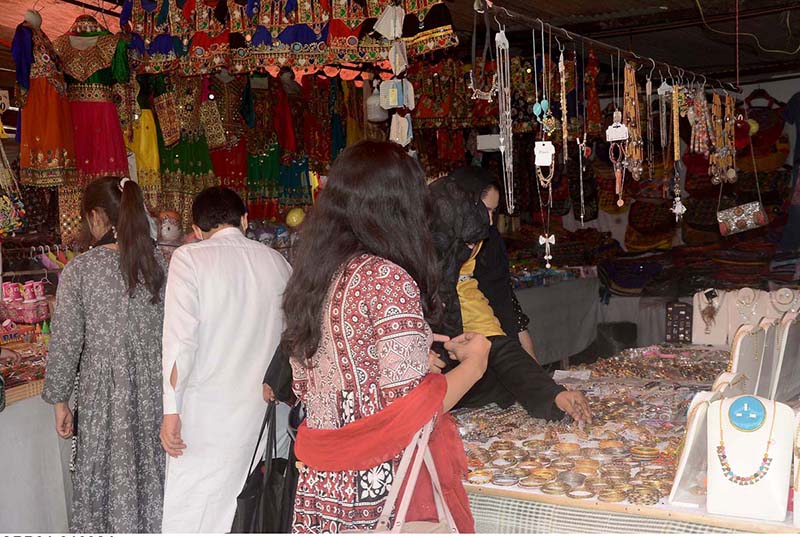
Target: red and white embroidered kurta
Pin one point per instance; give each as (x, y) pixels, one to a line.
(373, 349)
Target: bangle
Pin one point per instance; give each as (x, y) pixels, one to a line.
(567, 448)
(503, 462)
(545, 473)
(587, 471)
(530, 464)
(587, 462)
(555, 488)
(644, 496)
(539, 445)
(502, 445)
(562, 465)
(580, 494)
(533, 481)
(504, 480)
(518, 454)
(611, 495)
(480, 477)
(595, 484)
(572, 479)
(517, 472)
(605, 444)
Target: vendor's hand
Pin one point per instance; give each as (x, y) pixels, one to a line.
(575, 404)
(435, 362)
(170, 435)
(470, 349)
(269, 395)
(64, 420)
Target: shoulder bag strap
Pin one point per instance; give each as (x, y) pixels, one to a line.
(394, 492)
(260, 434)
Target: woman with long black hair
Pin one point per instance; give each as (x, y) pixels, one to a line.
(107, 326)
(357, 308)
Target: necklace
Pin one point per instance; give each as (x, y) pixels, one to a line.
(537, 106)
(708, 312)
(763, 468)
(746, 298)
(648, 92)
(619, 170)
(477, 92)
(505, 121)
(562, 71)
(631, 118)
(548, 121)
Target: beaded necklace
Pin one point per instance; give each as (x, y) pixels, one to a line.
(763, 468)
(631, 118)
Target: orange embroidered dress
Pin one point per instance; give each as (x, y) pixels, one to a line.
(47, 156)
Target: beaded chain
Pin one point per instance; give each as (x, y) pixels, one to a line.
(763, 468)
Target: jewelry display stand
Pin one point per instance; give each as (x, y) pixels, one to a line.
(710, 318)
(786, 384)
(747, 352)
(747, 306)
(729, 384)
(768, 361)
(750, 446)
(688, 488)
(796, 473)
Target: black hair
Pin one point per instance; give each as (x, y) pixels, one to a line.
(375, 201)
(124, 207)
(217, 206)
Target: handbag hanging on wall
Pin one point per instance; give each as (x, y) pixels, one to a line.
(742, 217)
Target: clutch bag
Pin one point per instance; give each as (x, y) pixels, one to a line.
(741, 218)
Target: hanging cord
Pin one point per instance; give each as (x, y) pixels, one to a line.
(478, 93)
(505, 121)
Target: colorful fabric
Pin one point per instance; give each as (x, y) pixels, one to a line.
(47, 153)
(476, 312)
(148, 164)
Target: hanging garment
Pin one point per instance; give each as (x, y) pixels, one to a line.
(46, 153)
(186, 167)
(152, 48)
(144, 144)
(230, 160)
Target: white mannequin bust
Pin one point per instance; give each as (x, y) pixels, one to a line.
(742, 433)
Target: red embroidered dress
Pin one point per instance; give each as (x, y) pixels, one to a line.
(373, 350)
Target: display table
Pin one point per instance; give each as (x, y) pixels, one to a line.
(564, 316)
(33, 498)
(498, 510)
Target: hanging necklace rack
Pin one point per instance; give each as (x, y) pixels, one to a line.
(506, 125)
(532, 22)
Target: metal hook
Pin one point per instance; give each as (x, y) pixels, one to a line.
(560, 46)
(694, 76)
(669, 71)
(650, 75)
(704, 80)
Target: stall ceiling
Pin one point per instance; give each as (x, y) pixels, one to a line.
(669, 30)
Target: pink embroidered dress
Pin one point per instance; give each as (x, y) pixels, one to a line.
(373, 350)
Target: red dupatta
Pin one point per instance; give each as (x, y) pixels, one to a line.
(370, 441)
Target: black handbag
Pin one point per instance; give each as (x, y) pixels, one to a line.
(258, 506)
(296, 417)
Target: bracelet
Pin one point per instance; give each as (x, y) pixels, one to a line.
(588, 462)
(587, 471)
(530, 464)
(572, 479)
(590, 452)
(545, 473)
(539, 445)
(562, 465)
(517, 472)
(503, 462)
(533, 481)
(504, 480)
(580, 494)
(480, 477)
(567, 448)
(502, 445)
(644, 496)
(615, 451)
(595, 484)
(611, 495)
(605, 444)
(555, 488)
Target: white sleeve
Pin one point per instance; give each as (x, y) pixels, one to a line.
(181, 328)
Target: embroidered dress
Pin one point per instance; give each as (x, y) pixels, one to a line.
(47, 154)
(264, 153)
(94, 61)
(144, 144)
(152, 48)
(373, 350)
(186, 165)
(230, 161)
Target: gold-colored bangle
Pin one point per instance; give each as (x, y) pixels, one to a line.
(587, 462)
(517, 472)
(555, 488)
(545, 473)
(562, 465)
(644, 496)
(480, 477)
(501, 445)
(519, 454)
(580, 494)
(614, 473)
(567, 448)
(588, 471)
(503, 462)
(611, 495)
(504, 480)
(622, 487)
(605, 444)
(530, 464)
(538, 445)
(645, 451)
(533, 481)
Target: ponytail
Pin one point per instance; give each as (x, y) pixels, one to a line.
(137, 252)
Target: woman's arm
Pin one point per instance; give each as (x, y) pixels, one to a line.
(472, 350)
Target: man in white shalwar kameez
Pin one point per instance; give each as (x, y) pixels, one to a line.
(222, 323)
